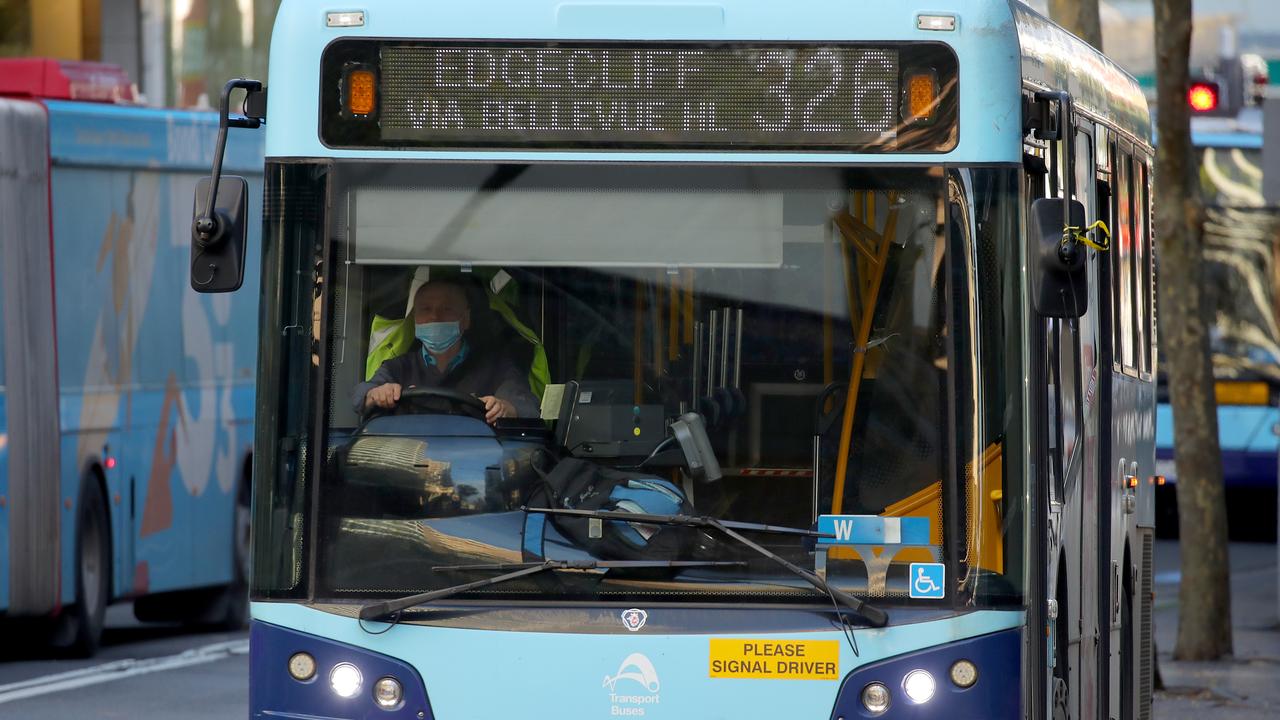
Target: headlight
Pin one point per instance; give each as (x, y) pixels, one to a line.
(387, 693)
(345, 680)
(875, 698)
(964, 673)
(919, 686)
(302, 666)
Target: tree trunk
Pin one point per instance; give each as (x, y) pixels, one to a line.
(1204, 612)
(1080, 17)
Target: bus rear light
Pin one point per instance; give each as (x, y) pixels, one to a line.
(1131, 481)
(1159, 480)
(361, 95)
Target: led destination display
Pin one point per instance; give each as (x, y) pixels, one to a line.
(647, 96)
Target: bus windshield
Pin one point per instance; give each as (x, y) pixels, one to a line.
(531, 316)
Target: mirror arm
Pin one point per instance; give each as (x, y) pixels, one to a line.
(207, 228)
(1068, 251)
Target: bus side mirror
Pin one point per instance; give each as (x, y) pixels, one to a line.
(219, 220)
(218, 240)
(1059, 275)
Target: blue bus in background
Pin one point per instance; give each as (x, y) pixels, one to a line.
(832, 416)
(126, 400)
(1242, 244)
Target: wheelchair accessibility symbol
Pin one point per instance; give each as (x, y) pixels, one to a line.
(928, 581)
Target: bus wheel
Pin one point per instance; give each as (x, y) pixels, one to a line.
(237, 608)
(229, 609)
(93, 568)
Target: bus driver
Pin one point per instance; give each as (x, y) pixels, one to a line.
(442, 357)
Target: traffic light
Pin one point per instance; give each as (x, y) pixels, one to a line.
(1219, 95)
(1204, 96)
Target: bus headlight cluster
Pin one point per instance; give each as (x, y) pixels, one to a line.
(388, 693)
(964, 674)
(302, 667)
(345, 680)
(919, 686)
(875, 698)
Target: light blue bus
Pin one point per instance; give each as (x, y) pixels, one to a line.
(126, 401)
(729, 360)
(1240, 256)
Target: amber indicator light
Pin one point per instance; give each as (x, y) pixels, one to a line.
(361, 95)
(921, 97)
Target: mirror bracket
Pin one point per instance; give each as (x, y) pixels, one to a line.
(209, 229)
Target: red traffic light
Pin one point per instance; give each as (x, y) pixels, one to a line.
(1203, 96)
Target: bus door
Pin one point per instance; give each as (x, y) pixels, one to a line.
(32, 499)
(1085, 447)
(1069, 373)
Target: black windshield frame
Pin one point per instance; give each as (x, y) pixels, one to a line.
(298, 189)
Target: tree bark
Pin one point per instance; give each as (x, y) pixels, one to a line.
(1080, 17)
(1204, 612)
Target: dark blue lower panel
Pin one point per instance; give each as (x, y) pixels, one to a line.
(274, 694)
(997, 695)
(1240, 468)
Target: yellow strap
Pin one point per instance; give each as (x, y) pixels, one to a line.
(1081, 235)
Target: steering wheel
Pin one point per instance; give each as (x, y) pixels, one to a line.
(467, 403)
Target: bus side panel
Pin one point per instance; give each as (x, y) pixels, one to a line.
(215, 338)
(4, 445)
(157, 377)
(32, 502)
(105, 238)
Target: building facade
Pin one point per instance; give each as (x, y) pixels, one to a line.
(179, 52)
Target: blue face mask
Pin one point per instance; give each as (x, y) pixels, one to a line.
(437, 337)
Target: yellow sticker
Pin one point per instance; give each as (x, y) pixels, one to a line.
(775, 659)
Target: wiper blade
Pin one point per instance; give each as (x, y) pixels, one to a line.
(701, 521)
(374, 611)
(874, 615)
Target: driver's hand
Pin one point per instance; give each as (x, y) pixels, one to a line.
(496, 407)
(383, 396)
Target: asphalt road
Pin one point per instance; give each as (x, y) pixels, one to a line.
(141, 672)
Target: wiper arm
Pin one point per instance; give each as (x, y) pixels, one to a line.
(874, 615)
(701, 521)
(374, 611)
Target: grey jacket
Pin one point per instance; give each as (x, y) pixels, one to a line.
(479, 374)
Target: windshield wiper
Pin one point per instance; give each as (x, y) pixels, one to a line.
(874, 615)
(374, 611)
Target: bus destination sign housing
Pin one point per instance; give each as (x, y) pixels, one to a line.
(797, 97)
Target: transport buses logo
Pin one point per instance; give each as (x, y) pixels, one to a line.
(634, 618)
(633, 687)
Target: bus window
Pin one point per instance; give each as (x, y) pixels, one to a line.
(1142, 268)
(754, 296)
(1123, 261)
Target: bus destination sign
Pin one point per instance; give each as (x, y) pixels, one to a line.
(737, 96)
